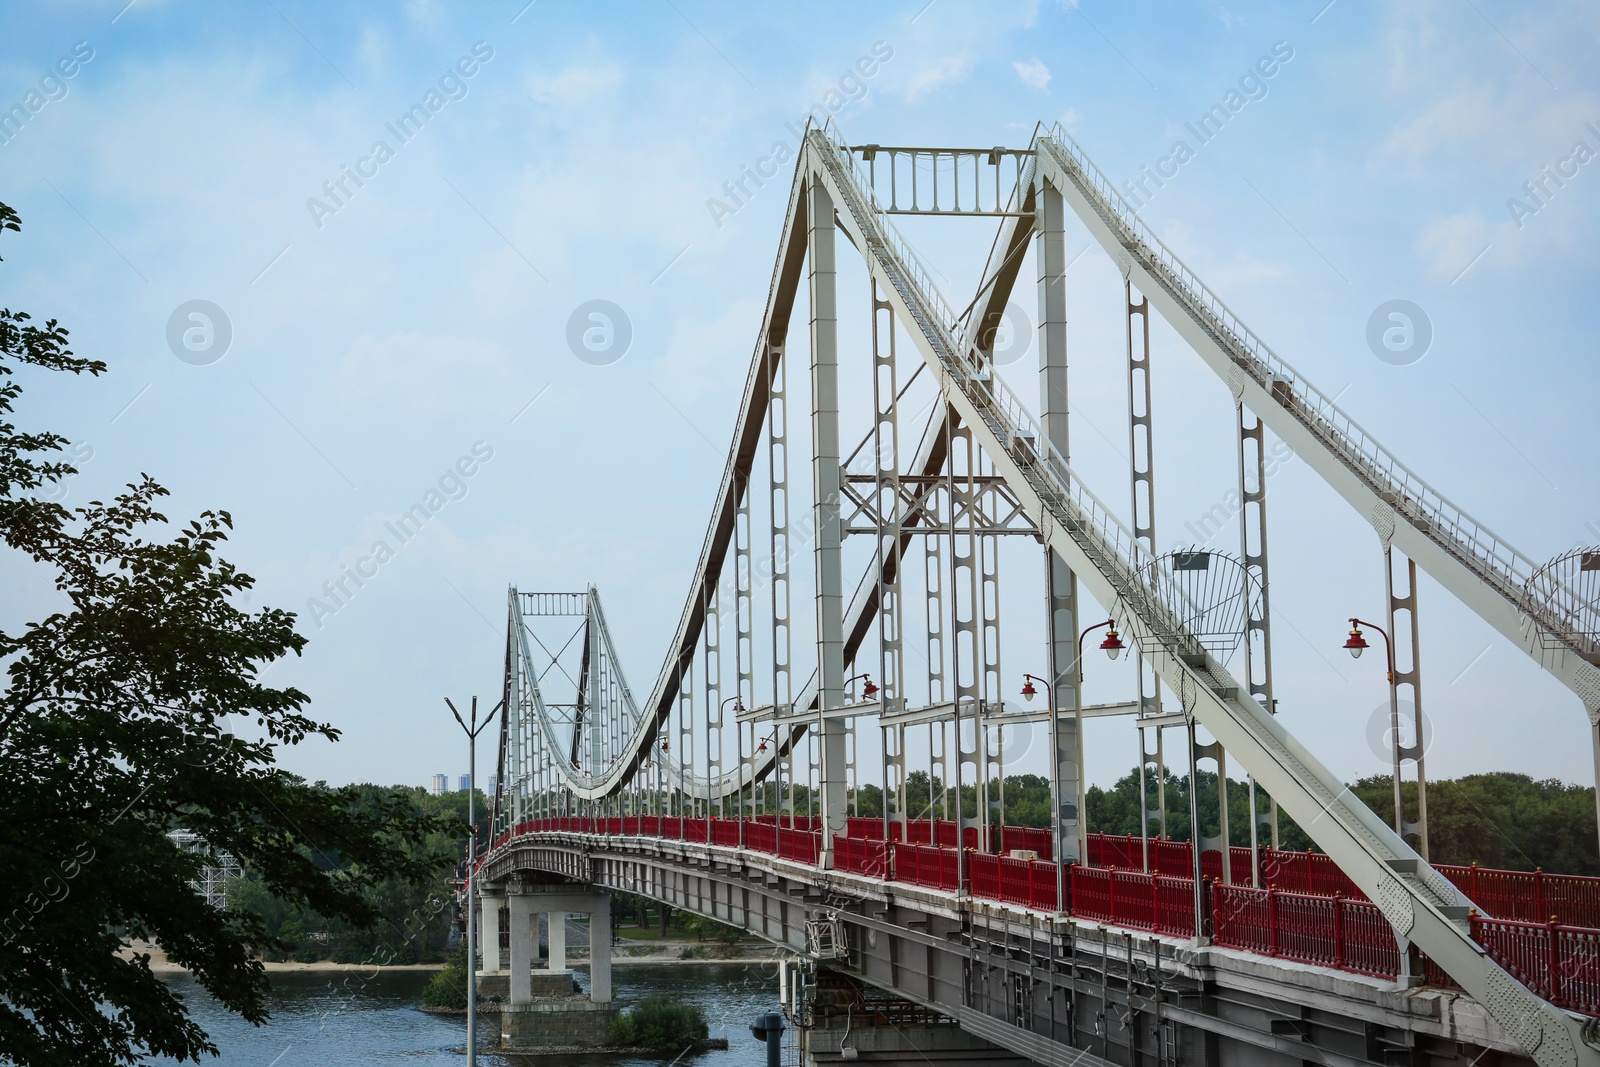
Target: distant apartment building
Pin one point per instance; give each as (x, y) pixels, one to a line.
(494, 783)
(466, 782)
(439, 783)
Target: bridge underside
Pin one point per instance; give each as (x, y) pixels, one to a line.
(1053, 989)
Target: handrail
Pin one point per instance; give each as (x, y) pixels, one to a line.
(1489, 556)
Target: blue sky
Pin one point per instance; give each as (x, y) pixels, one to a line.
(382, 333)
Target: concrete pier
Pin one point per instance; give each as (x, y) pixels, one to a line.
(541, 1009)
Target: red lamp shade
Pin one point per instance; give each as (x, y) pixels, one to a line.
(1356, 644)
(1028, 691)
(1112, 646)
(869, 690)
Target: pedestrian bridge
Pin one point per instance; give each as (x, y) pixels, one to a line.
(834, 778)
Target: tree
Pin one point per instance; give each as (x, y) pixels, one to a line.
(1504, 820)
(662, 1024)
(115, 729)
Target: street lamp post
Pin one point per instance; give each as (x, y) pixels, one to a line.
(1356, 644)
(1112, 646)
(738, 739)
(472, 862)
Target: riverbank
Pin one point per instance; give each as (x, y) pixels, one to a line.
(657, 953)
(373, 1018)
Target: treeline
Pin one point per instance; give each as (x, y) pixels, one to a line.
(416, 918)
(645, 913)
(1499, 819)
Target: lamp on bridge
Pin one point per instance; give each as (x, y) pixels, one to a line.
(1112, 646)
(1356, 644)
(868, 690)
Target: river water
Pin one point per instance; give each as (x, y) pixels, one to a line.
(333, 1019)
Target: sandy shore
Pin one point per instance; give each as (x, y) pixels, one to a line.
(659, 953)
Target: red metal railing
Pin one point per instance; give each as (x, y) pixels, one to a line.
(940, 832)
(1008, 838)
(1325, 926)
(1030, 883)
(1529, 896)
(1158, 902)
(761, 837)
(926, 865)
(1349, 935)
(870, 828)
(861, 856)
(1560, 963)
(802, 846)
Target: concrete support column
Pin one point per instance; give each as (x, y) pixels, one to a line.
(523, 931)
(826, 481)
(489, 901)
(1066, 766)
(558, 940)
(600, 951)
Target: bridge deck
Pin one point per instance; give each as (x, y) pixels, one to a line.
(1050, 986)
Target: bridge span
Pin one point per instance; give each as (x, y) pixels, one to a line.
(834, 778)
(1050, 987)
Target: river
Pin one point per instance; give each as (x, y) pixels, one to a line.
(334, 1019)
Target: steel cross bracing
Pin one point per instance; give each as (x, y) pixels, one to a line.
(981, 437)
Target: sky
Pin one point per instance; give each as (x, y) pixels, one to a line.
(319, 310)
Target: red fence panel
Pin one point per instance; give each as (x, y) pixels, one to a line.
(1306, 928)
(725, 832)
(1171, 858)
(1560, 963)
(802, 846)
(861, 856)
(1530, 896)
(1367, 940)
(1024, 837)
(926, 865)
(867, 828)
(1091, 892)
(983, 873)
(1241, 918)
(1042, 890)
(761, 837)
(1174, 905)
(1016, 884)
(1350, 935)
(1125, 898)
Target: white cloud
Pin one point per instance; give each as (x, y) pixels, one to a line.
(577, 86)
(424, 13)
(932, 75)
(1033, 72)
(1446, 245)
